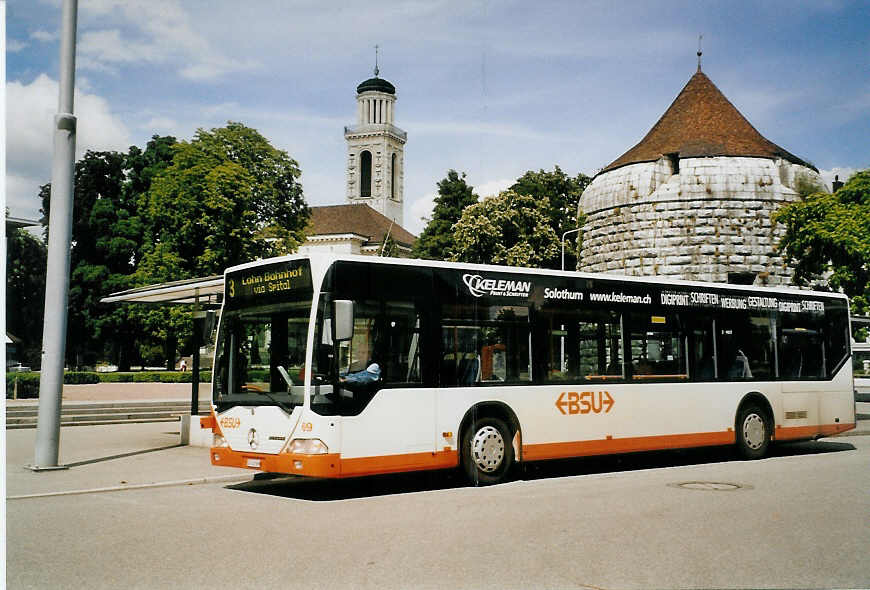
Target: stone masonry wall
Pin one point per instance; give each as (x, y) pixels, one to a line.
(712, 218)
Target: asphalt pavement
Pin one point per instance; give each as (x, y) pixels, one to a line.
(130, 456)
(111, 458)
(134, 509)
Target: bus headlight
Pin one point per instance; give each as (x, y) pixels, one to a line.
(307, 446)
(219, 441)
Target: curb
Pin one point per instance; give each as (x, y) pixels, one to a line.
(140, 486)
(850, 433)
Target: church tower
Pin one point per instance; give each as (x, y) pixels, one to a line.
(376, 151)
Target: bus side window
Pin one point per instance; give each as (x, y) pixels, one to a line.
(582, 346)
(484, 344)
(745, 345)
(703, 351)
(386, 333)
(802, 347)
(836, 341)
(658, 346)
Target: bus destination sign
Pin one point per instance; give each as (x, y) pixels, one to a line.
(268, 284)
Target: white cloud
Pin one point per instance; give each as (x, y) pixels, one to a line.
(493, 187)
(836, 171)
(107, 46)
(22, 195)
(477, 129)
(14, 46)
(420, 212)
(30, 133)
(160, 125)
(422, 207)
(152, 32)
(44, 36)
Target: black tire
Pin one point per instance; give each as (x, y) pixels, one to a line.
(753, 432)
(487, 451)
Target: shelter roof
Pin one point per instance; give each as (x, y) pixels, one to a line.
(207, 291)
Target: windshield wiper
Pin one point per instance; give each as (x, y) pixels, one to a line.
(278, 402)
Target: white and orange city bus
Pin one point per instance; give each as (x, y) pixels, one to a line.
(343, 366)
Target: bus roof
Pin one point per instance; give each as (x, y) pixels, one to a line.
(326, 259)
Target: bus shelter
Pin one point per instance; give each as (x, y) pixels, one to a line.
(204, 295)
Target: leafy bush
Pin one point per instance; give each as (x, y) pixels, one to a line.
(116, 377)
(28, 385)
(261, 375)
(80, 377)
(146, 377)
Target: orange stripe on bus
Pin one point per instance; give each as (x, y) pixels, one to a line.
(394, 463)
(332, 465)
(796, 432)
(310, 465)
(609, 445)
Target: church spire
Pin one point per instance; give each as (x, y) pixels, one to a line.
(377, 71)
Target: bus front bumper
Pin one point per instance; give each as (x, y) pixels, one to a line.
(328, 465)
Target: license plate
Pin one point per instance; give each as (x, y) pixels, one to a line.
(253, 463)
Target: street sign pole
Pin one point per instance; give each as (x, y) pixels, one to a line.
(59, 237)
(198, 318)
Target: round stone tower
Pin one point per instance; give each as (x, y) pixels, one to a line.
(694, 198)
(376, 151)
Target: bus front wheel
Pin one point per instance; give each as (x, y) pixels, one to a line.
(753, 432)
(487, 453)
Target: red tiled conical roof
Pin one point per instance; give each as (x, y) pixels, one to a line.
(702, 122)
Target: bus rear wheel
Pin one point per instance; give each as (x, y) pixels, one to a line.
(487, 453)
(753, 432)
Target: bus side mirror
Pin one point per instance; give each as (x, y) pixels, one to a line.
(343, 319)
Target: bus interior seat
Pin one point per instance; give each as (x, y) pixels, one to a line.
(792, 369)
(469, 369)
(448, 370)
(706, 369)
(614, 368)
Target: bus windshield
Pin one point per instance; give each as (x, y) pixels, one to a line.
(261, 355)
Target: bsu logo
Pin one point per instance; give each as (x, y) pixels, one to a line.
(571, 402)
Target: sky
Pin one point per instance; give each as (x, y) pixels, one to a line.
(492, 89)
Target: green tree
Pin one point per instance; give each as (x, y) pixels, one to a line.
(228, 197)
(107, 236)
(25, 293)
(510, 228)
(828, 236)
(389, 248)
(454, 195)
(563, 193)
(96, 252)
(127, 326)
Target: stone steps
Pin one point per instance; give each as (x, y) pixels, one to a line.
(89, 414)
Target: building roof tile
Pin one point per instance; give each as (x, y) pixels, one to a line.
(357, 219)
(701, 122)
